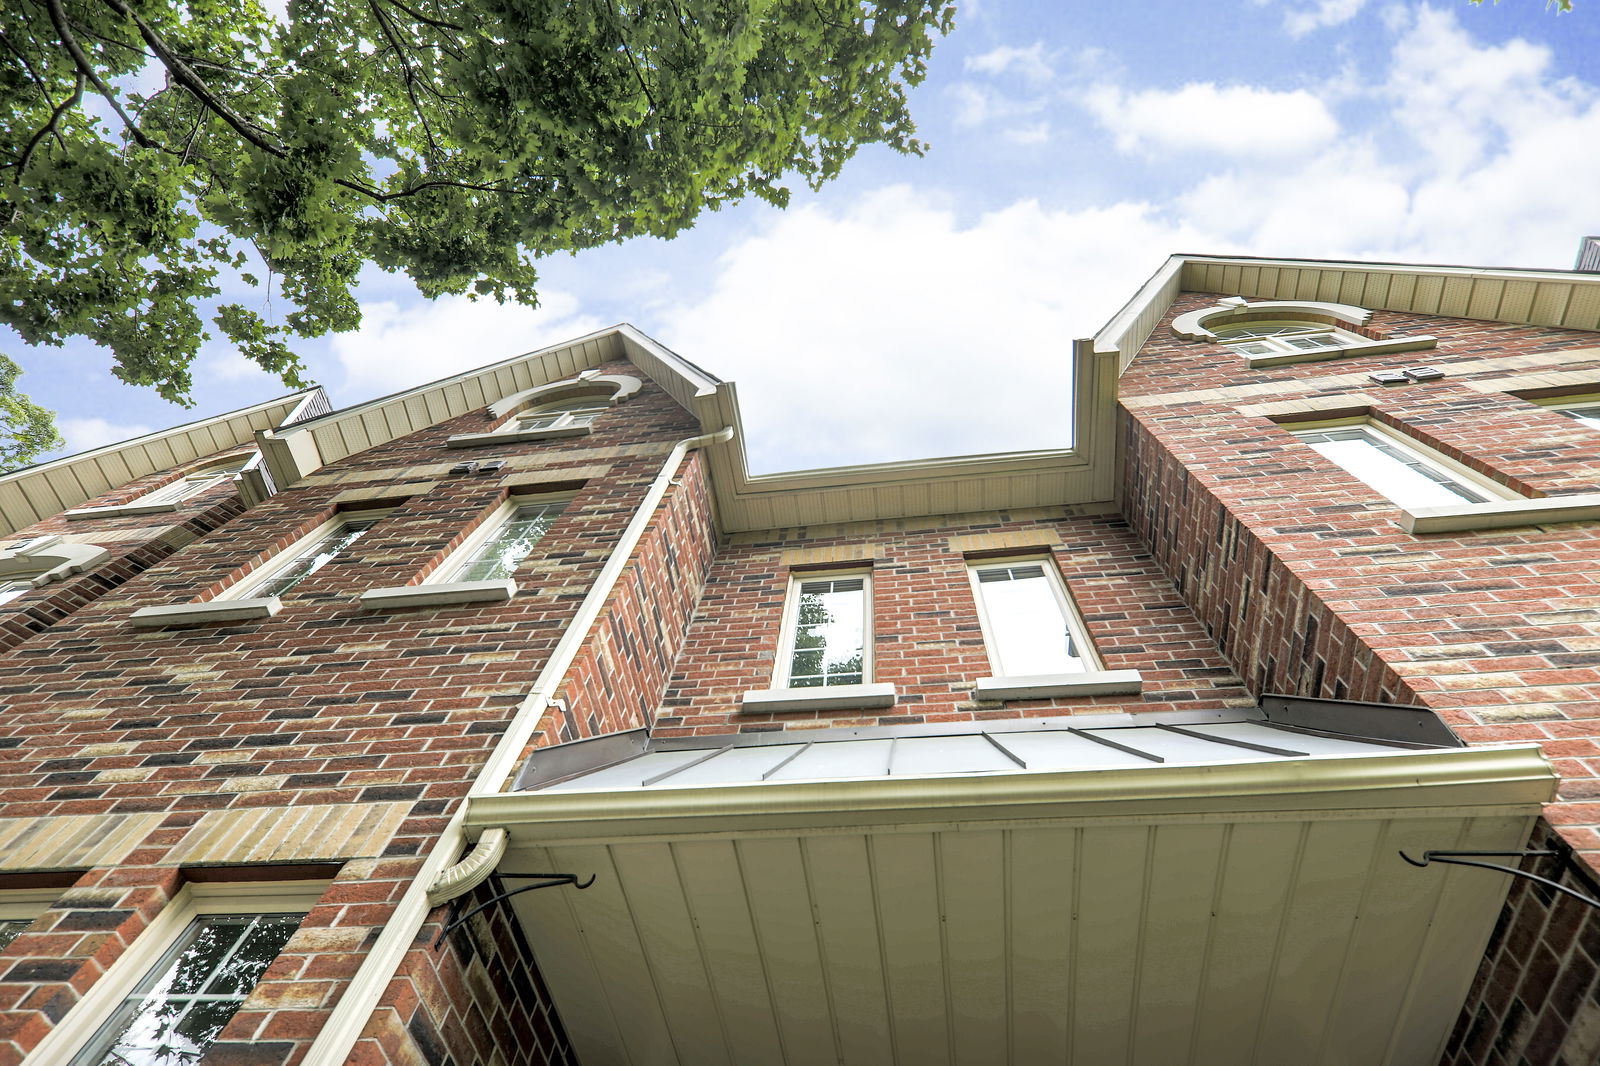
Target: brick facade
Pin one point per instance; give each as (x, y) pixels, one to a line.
(324, 704)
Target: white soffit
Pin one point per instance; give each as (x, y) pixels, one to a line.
(37, 492)
(1256, 913)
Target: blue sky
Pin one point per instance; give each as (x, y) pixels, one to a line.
(925, 306)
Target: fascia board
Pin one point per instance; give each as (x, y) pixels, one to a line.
(1110, 337)
(1378, 267)
(1510, 778)
(288, 404)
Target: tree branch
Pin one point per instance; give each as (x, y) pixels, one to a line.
(410, 75)
(186, 77)
(58, 18)
(50, 126)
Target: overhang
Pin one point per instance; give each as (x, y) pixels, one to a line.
(1212, 908)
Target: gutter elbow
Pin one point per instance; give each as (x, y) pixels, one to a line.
(472, 870)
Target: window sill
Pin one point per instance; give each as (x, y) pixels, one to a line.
(82, 513)
(825, 698)
(1502, 514)
(1317, 355)
(439, 594)
(480, 440)
(1044, 686)
(207, 613)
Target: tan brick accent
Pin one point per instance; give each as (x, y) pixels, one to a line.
(1014, 540)
(300, 834)
(74, 840)
(383, 492)
(833, 553)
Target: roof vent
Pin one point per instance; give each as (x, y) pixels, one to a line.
(1589, 256)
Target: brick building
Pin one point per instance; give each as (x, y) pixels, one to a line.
(511, 720)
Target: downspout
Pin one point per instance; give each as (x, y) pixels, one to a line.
(439, 879)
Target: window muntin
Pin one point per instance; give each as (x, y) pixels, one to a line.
(579, 412)
(176, 1012)
(826, 636)
(306, 556)
(1281, 338)
(1029, 625)
(1403, 473)
(196, 482)
(503, 542)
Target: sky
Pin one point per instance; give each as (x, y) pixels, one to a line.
(922, 307)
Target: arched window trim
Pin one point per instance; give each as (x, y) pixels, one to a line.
(1201, 326)
(42, 560)
(608, 390)
(168, 495)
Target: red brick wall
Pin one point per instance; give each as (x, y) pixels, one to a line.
(927, 639)
(324, 703)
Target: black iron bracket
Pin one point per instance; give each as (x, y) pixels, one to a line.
(1467, 858)
(454, 921)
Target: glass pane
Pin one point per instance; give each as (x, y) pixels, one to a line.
(314, 557)
(539, 422)
(10, 590)
(830, 633)
(498, 556)
(1390, 469)
(163, 1022)
(10, 930)
(1027, 622)
(1589, 416)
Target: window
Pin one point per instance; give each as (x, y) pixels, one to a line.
(1584, 409)
(11, 588)
(1029, 625)
(305, 557)
(579, 412)
(175, 1013)
(196, 481)
(1282, 338)
(502, 541)
(825, 632)
(18, 909)
(10, 929)
(1404, 472)
(164, 1002)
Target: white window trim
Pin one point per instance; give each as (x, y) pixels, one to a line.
(84, 1019)
(781, 697)
(282, 560)
(161, 499)
(1458, 472)
(41, 560)
(26, 904)
(1193, 326)
(435, 591)
(1094, 680)
(1571, 402)
(507, 411)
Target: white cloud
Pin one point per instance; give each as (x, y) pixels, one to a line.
(398, 347)
(1301, 19)
(1461, 161)
(1030, 63)
(893, 330)
(84, 433)
(1241, 120)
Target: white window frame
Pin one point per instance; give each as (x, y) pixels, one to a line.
(1089, 658)
(13, 587)
(1566, 405)
(489, 527)
(581, 416)
(791, 617)
(1092, 679)
(1461, 474)
(83, 1021)
(244, 588)
(26, 904)
(440, 588)
(1277, 344)
(196, 481)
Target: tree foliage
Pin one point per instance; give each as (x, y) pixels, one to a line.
(26, 429)
(154, 154)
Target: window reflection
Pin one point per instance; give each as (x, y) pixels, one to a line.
(829, 640)
(1028, 626)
